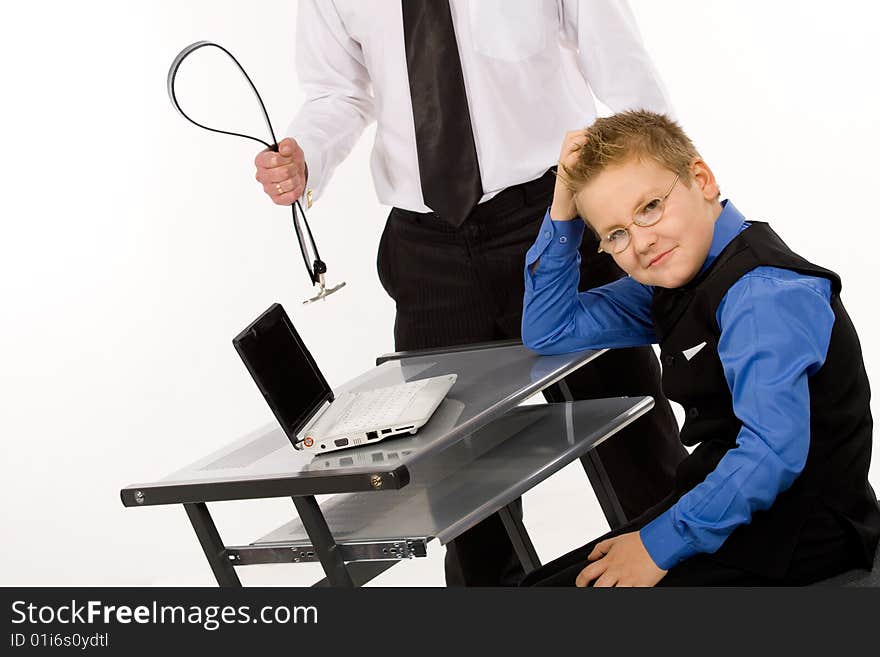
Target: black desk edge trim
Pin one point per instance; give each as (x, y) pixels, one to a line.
(281, 486)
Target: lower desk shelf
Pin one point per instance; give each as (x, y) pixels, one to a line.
(454, 490)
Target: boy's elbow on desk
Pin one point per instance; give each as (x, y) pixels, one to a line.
(542, 345)
(539, 348)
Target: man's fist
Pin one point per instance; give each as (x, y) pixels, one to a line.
(283, 174)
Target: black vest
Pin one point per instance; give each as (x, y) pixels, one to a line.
(835, 477)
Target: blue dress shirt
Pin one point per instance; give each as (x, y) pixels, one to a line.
(775, 330)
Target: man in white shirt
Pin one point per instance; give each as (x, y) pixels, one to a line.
(472, 99)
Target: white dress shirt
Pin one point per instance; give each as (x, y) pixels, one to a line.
(528, 67)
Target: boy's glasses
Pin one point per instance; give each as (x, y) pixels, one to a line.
(619, 239)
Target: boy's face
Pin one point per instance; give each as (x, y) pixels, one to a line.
(672, 251)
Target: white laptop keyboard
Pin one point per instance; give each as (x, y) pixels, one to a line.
(374, 408)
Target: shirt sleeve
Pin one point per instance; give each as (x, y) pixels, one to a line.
(339, 98)
(775, 330)
(611, 55)
(557, 319)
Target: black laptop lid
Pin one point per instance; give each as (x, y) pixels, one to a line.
(283, 369)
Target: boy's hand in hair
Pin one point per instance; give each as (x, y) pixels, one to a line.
(563, 207)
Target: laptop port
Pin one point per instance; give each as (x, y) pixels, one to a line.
(372, 435)
(384, 431)
(341, 442)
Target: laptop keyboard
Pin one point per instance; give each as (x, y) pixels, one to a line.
(377, 408)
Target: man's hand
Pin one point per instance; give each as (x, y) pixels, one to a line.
(621, 561)
(563, 208)
(284, 173)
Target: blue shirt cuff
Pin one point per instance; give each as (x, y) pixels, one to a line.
(556, 238)
(665, 545)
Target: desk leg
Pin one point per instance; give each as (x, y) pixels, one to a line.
(599, 478)
(319, 534)
(528, 557)
(213, 547)
(604, 492)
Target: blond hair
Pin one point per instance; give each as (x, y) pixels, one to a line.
(632, 134)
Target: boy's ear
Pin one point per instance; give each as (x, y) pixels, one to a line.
(705, 179)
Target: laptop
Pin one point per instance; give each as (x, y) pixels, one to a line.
(304, 405)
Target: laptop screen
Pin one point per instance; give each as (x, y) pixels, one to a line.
(283, 369)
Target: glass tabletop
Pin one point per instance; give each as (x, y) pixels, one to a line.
(491, 381)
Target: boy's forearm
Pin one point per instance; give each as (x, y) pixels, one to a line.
(549, 290)
(563, 207)
(557, 318)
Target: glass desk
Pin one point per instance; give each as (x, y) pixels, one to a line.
(477, 454)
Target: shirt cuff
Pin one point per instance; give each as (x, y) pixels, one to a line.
(556, 238)
(664, 544)
(315, 166)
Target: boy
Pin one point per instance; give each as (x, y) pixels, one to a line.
(756, 346)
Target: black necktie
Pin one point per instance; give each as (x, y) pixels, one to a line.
(448, 167)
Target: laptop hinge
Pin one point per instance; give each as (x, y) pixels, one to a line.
(312, 421)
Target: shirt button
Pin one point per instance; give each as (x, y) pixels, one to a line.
(547, 235)
(563, 239)
(693, 412)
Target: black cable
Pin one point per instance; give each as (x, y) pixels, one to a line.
(318, 267)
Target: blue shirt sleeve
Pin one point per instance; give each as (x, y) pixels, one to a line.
(775, 330)
(557, 319)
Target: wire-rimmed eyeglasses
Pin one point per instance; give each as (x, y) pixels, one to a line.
(619, 239)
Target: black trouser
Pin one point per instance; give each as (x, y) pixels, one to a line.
(462, 285)
(825, 548)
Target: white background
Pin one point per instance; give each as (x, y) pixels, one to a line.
(134, 246)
